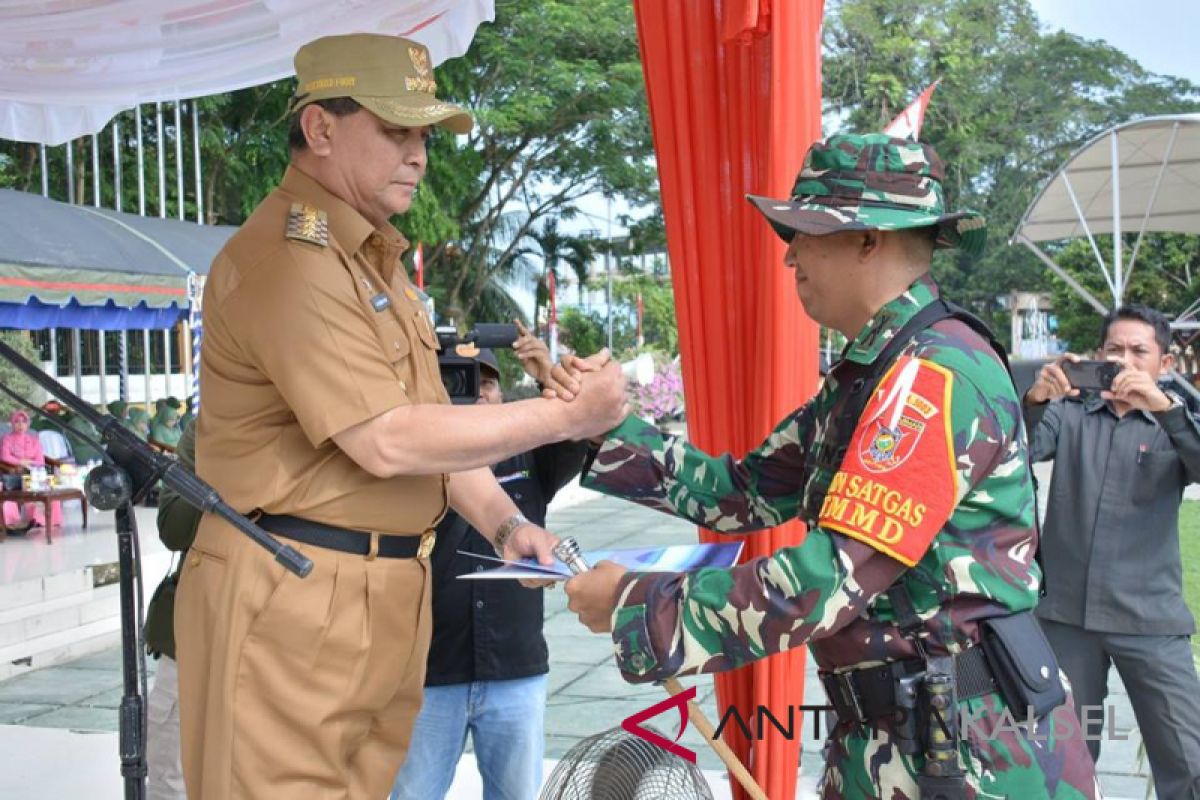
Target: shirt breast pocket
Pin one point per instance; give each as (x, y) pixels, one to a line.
(392, 337)
(1156, 475)
(424, 329)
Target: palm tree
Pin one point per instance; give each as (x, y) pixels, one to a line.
(557, 249)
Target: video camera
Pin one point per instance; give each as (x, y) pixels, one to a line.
(460, 374)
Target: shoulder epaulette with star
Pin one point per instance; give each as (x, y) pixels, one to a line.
(307, 223)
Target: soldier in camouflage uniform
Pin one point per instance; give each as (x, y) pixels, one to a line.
(934, 490)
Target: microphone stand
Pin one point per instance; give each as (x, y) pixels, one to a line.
(130, 470)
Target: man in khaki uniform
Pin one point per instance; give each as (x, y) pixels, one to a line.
(324, 412)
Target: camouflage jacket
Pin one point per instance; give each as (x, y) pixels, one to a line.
(935, 479)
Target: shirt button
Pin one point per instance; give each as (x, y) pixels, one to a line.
(479, 569)
(479, 604)
(403, 386)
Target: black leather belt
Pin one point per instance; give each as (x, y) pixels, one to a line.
(864, 695)
(345, 540)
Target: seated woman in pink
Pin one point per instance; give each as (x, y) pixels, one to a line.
(21, 448)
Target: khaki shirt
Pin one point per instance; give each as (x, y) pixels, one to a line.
(303, 340)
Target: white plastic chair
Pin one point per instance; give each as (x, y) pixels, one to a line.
(55, 446)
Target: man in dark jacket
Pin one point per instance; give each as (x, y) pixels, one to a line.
(488, 660)
(1114, 580)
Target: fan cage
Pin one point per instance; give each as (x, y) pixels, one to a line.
(616, 765)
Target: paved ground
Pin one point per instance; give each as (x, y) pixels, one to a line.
(587, 694)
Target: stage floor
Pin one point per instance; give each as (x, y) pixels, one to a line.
(29, 556)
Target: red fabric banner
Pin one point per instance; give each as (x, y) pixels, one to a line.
(734, 88)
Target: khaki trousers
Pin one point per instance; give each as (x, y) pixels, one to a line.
(297, 687)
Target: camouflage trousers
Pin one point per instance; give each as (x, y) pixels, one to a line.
(1001, 759)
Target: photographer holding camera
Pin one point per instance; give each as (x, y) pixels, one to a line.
(1110, 543)
(488, 659)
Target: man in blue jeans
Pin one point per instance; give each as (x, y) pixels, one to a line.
(488, 661)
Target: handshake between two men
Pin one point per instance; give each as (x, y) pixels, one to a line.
(593, 391)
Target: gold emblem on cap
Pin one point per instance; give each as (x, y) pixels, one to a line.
(306, 223)
(426, 85)
(409, 293)
(420, 59)
(468, 350)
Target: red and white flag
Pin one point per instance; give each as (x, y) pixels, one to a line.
(419, 266)
(907, 124)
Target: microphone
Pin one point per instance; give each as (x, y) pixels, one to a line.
(567, 551)
(492, 335)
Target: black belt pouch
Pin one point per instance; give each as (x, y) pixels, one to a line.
(1024, 665)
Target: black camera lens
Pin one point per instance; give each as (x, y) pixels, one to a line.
(454, 378)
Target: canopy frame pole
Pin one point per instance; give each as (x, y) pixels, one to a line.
(1189, 311)
(71, 174)
(179, 159)
(146, 365)
(1162, 171)
(1118, 277)
(77, 360)
(1088, 230)
(167, 359)
(103, 350)
(162, 162)
(123, 383)
(141, 159)
(95, 170)
(45, 170)
(1062, 273)
(196, 160)
(116, 132)
(54, 351)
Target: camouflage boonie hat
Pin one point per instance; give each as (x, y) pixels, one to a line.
(855, 182)
(389, 76)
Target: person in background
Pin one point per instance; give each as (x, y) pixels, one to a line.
(166, 429)
(138, 421)
(486, 673)
(21, 448)
(118, 409)
(1110, 544)
(177, 523)
(189, 414)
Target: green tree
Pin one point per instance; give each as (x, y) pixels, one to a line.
(15, 380)
(659, 329)
(556, 250)
(1165, 276)
(581, 331)
(1013, 103)
(557, 91)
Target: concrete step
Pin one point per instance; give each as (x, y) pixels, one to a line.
(56, 618)
(60, 647)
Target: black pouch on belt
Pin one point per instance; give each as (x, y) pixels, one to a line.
(1024, 665)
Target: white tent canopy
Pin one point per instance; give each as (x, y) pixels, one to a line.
(1136, 177)
(69, 66)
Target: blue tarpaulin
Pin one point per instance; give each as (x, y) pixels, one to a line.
(35, 315)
